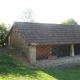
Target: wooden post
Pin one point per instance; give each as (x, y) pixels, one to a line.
(72, 50)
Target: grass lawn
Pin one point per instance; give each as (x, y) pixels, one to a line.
(10, 69)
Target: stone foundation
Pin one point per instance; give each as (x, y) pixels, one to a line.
(59, 63)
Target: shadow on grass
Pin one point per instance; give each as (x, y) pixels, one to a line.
(41, 73)
(20, 71)
(10, 66)
(68, 74)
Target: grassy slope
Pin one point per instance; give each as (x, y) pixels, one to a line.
(10, 69)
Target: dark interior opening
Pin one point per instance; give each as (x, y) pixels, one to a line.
(61, 50)
(77, 49)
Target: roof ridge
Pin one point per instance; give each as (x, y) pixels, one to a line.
(43, 23)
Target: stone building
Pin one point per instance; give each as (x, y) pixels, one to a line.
(43, 41)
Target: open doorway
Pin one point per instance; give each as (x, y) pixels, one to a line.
(77, 49)
(61, 50)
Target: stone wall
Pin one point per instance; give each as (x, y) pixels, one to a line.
(42, 51)
(18, 40)
(59, 63)
(61, 50)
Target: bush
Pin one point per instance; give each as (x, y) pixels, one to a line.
(3, 32)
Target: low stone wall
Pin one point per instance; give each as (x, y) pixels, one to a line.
(59, 63)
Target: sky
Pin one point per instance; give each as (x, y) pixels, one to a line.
(45, 11)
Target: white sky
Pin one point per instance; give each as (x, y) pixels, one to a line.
(49, 11)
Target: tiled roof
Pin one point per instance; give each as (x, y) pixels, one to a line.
(44, 34)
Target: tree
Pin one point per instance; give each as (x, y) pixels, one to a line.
(70, 22)
(3, 32)
(27, 16)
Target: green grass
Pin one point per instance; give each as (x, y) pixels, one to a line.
(10, 69)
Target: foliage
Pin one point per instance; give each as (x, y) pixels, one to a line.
(10, 69)
(70, 22)
(3, 32)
